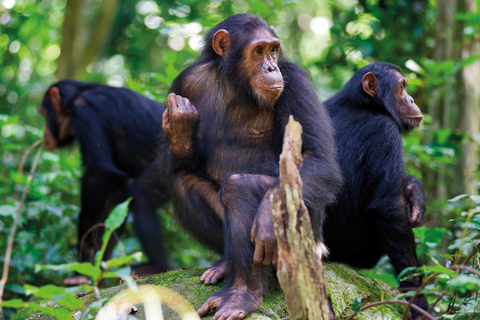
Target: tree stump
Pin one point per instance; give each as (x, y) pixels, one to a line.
(299, 269)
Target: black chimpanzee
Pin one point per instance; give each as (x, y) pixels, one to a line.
(225, 156)
(117, 130)
(370, 218)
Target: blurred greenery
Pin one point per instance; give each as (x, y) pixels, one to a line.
(150, 42)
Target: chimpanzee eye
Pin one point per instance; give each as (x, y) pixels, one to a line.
(258, 50)
(274, 49)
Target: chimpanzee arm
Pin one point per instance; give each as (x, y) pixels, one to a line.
(386, 209)
(179, 123)
(413, 192)
(320, 173)
(92, 136)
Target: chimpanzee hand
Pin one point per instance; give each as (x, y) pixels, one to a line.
(416, 201)
(179, 123)
(263, 234)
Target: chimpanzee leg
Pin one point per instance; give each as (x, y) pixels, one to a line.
(199, 209)
(242, 196)
(149, 192)
(101, 192)
(399, 244)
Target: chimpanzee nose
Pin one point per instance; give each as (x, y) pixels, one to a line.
(272, 67)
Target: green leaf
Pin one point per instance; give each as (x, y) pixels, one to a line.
(15, 303)
(464, 283)
(468, 61)
(475, 198)
(70, 301)
(459, 197)
(467, 220)
(384, 277)
(125, 274)
(439, 269)
(118, 215)
(357, 304)
(7, 210)
(85, 268)
(120, 261)
(45, 292)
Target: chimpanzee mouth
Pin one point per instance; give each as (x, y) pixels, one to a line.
(272, 88)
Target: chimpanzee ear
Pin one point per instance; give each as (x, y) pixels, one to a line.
(221, 42)
(369, 84)
(54, 94)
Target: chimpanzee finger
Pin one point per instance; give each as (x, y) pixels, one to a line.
(269, 249)
(171, 101)
(258, 255)
(415, 216)
(181, 107)
(165, 120)
(172, 105)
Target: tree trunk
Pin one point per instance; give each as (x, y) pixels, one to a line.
(82, 43)
(470, 86)
(299, 269)
(442, 106)
(68, 60)
(98, 33)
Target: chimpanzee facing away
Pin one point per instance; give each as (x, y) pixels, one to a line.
(370, 217)
(117, 130)
(225, 125)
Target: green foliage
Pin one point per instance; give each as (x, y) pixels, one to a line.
(149, 44)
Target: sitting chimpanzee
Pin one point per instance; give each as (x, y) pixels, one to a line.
(370, 217)
(117, 130)
(225, 124)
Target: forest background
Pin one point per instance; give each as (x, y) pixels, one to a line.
(143, 45)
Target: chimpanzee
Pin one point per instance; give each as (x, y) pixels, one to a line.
(118, 131)
(225, 122)
(370, 216)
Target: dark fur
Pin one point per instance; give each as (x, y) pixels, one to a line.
(224, 151)
(117, 130)
(369, 218)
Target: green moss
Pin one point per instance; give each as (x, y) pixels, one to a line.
(344, 285)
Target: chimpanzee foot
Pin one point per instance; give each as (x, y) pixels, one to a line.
(77, 280)
(215, 273)
(233, 304)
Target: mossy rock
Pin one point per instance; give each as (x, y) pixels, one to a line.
(344, 285)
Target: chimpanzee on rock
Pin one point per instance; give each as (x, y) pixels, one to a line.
(225, 123)
(117, 130)
(370, 217)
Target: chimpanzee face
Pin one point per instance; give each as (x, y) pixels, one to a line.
(262, 55)
(408, 112)
(258, 64)
(403, 105)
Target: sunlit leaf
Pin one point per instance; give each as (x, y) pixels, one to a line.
(85, 268)
(118, 215)
(459, 197)
(385, 277)
(120, 261)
